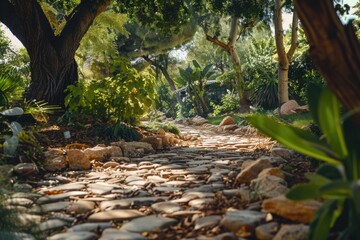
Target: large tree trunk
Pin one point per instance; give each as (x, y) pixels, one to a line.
(284, 57)
(52, 62)
(335, 50)
(235, 59)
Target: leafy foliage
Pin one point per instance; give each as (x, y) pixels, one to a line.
(11, 86)
(337, 180)
(124, 97)
(165, 102)
(229, 102)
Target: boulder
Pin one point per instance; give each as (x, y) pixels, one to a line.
(267, 186)
(54, 160)
(227, 121)
(293, 232)
(275, 171)
(97, 153)
(78, 160)
(25, 169)
(297, 211)
(289, 107)
(155, 142)
(250, 172)
(115, 151)
(199, 121)
(282, 152)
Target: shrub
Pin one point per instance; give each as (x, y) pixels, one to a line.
(123, 97)
(229, 102)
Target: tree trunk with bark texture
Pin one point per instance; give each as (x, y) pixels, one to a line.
(335, 50)
(235, 59)
(284, 57)
(52, 61)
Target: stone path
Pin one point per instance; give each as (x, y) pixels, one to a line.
(209, 190)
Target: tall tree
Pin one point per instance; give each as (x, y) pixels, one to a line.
(52, 62)
(284, 56)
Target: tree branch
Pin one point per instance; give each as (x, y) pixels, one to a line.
(233, 30)
(219, 43)
(279, 34)
(79, 23)
(294, 36)
(335, 50)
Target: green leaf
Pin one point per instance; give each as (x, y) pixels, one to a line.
(294, 138)
(330, 122)
(319, 179)
(196, 64)
(336, 189)
(330, 171)
(303, 191)
(314, 100)
(355, 190)
(321, 224)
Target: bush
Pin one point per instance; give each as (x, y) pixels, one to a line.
(155, 126)
(229, 102)
(166, 101)
(124, 97)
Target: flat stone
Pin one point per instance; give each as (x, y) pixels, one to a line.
(201, 203)
(25, 169)
(74, 236)
(68, 187)
(61, 196)
(51, 225)
(222, 236)
(115, 215)
(78, 160)
(52, 207)
(199, 194)
(19, 202)
(293, 232)
(138, 183)
(116, 234)
(90, 227)
(156, 179)
(173, 184)
(133, 179)
(234, 220)
(148, 224)
(166, 207)
(266, 231)
(297, 211)
(207, 221)
(101, 188)
(80, 207)
(128, 202)
(282, 152)
(111, 164)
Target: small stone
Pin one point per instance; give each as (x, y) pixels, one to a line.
(222, 236)
(235, 220)
(208, 221)
(251, 171)
(148, 224)
(282, 152)
(61, 196)
(74, 236)
(230, 127)
(227, 121)
(53, 207)
(78, 160)
(111, 165)
(293, 232)
(22, 187)
(297, 211)
(128, 202)
(68, 187)
(266, 231)
(115, 215)
(18, 202)
(166, 207)
(155, 142)
(202, 203)
(115, 151)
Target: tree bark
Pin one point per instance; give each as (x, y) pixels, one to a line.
(235, 59)
(52, 61)
(335, 50)
(284, 57)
